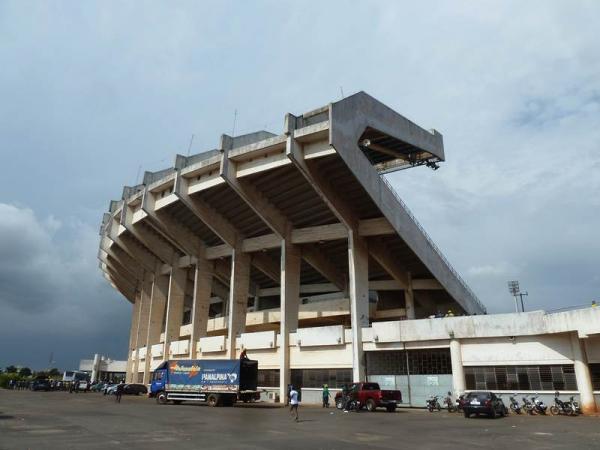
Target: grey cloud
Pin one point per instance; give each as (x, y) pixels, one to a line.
(51, 293)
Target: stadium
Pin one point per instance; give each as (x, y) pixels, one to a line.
(295, 248)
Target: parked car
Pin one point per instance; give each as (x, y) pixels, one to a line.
(40, 385)
(370, 396)
(128, 389)
(483, 402)
(135, 389)
(110, 389)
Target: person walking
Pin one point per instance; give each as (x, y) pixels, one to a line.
(326, 396)
(119, 391)
(294, 402)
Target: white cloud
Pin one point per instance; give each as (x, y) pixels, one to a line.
(495, 270)
(513, 86)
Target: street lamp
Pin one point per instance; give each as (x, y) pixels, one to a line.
(513, 288)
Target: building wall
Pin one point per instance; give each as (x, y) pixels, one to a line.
(517, 350)
(536, 351)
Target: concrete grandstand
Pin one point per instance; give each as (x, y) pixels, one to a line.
(294, 248)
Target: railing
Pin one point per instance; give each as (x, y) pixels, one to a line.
(590, 304)
(433, 246)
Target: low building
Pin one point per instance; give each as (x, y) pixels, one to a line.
(295, 248)
(103, 368)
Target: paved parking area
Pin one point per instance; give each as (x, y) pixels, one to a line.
(58, 420)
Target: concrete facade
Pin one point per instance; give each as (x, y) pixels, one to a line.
(103, 368)
(294, 248)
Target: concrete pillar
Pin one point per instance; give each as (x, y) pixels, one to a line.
(582, 374)
(458, 371)
(358, 288)
(135, 314)
(203, 278)
(95, 368)
(175, 304)
(290, 300)
(238, 298)
(158, 305)
(142, 328)
(409, 299)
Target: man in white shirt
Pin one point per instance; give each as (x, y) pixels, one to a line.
(294, 402)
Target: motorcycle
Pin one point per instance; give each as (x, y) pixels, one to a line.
(528, 407)
(561, 407)
(353, 405)
(538, 405)
(575, 405)
(449, 403)
(433, 403)
(514, 405)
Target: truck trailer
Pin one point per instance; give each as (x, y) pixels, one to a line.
(218, 382)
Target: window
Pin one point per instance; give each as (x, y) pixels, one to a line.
(595, 372)
(421, 362)
(316, 378)
(521, 378)
(268, 378)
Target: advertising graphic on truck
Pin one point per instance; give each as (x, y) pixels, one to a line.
(216, 381)
(202, 376)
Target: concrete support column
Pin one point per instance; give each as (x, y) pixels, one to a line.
(203, 278)
(142, 328)
(158, 305)
(175, 303)
(409, 298)
(582, 374)
(238, 298)
(358, 288)
(135, 315)
(458, 371)
(290, 300)
(95, 368)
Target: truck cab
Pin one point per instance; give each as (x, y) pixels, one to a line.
(159, 380)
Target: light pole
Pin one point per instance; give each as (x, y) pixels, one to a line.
(513, 288)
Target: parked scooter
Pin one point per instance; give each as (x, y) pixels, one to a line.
(514, 405)
(354, 405)
(433, 403)
(449, 403)
(561, 407)
(538, 405)
(575, 405)
(528, 407)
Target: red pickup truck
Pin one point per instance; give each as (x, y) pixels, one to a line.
(370, 396)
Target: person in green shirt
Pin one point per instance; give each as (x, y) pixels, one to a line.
(326, 396)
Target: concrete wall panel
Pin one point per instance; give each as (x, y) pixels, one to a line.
(260, 340)
(319, 336)
(212, 344)
(523, 350)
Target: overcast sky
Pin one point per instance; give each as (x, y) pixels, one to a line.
(93, 94)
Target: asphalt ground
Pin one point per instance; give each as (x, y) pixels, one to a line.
(59, 420)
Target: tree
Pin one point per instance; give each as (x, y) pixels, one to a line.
(25, 372)
(11, 369)
(54, 372)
